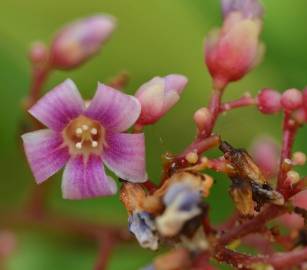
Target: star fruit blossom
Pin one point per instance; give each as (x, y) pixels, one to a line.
(85, 138)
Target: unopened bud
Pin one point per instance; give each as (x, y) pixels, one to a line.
(299, 158)
(249, 8)
(191, 157)
(292, 99)
(80, 40)
(158, 96)
(268, 101)
(234, 50)
(202, 118)
(38, 53)
(293, 177)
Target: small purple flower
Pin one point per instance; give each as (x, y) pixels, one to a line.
(143, 227)
(158, 96)
(84, 138)
(78, 41)
(249, 8)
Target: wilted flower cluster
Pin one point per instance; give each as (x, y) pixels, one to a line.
(108, 131)
(173, 212)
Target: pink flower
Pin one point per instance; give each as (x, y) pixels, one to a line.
(80, 40)
(84, 138)
(233, 50)
(158, 96)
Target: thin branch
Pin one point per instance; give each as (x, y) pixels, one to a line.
(238, 103)
(289, 132)
(106, 247)
(62, 224)
(253, 225)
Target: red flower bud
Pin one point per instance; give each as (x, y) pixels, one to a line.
(268, 101)
(292, 99)
(235, 49)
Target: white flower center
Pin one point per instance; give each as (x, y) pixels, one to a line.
(84, 136)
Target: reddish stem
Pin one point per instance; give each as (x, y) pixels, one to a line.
(253, 225)
(39, 77)
(214, 108)
(106, 246)
(279, 261)
(63, 224)
(200, 144)
(289, 132)
(150, 186)
(241, 102)
(288, 260)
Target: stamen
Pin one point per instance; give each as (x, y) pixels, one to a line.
(78, 145)
(85, 127)
(94, 144)
(94, 131)
(79, 131)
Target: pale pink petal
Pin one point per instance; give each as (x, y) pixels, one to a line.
(125, 155)
(86, 178)
(59, 106)
(175, 82)
(45, 153)
(115, 110)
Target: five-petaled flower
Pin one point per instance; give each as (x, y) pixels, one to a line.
(86, 137)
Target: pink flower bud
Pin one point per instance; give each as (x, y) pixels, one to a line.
(38, 53)
(202, 118)
(158, 96)
(235, 49)
(268, 101)
(294, 221)
(80, 40)
(266, 153)
(292, 99)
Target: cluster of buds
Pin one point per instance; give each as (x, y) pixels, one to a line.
(292, 101)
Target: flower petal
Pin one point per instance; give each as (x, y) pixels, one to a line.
(86, 179)
(125, 155)
(45, 153)
(114, 109)
(59, 106)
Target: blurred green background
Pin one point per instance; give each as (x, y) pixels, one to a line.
(155, 37)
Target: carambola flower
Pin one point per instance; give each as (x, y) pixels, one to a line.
(84, 138)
